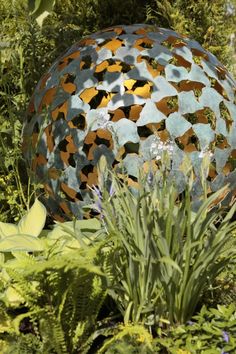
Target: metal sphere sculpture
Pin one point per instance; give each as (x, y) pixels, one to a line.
(116, 91)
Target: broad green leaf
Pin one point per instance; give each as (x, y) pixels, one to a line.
(33, 5)
(21, 242)
(71, 235)
(40, 9)
(33, 221)
(86, 227)
(7, 229)
(2, 259)
(90, 225)
(37, 7)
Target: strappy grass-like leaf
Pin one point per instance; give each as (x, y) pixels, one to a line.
(164, 254)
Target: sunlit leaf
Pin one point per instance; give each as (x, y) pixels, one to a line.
(21, 242)
(12, 297)
(40, 9)
(7, 229)
(34, 220)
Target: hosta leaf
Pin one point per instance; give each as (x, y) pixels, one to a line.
(26, 243)
(33, 5)
(70, 235)
(7, 229)
(34, 220)
(91, 225)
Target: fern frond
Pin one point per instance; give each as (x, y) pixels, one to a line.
(52, 333)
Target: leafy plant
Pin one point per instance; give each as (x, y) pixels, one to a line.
(162, 254)
(148, 251)
(63, 296)
(212, 331)
(59, 284)
(202, 20)
(40, 9)
(128, 338)
(23, 236)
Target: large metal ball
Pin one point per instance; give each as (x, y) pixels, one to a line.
(116, 91)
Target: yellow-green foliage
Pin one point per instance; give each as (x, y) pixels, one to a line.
(128, 338)
(60, 279)
(26, 51)
(62, 291)
(209, 22)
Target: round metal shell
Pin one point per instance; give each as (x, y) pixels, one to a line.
(116, 91)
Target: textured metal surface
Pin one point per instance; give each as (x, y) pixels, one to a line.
(108, 95)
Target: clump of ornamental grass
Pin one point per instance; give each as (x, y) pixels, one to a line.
(162, 253)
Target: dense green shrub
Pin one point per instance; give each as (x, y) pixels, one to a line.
(209, 22)
(148, 251)
(212, 331)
